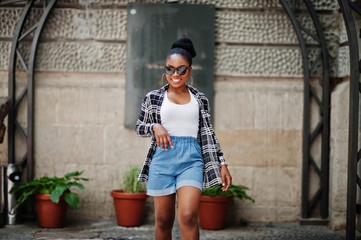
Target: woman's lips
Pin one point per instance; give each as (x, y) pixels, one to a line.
(176, 80)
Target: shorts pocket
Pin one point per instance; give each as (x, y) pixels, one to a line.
(198, 148)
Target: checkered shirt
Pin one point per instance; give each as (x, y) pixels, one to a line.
(211, 150)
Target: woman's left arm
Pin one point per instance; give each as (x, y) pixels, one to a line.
(225, 175)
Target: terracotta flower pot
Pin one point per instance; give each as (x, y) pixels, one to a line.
(50, 214)
(213, 212)
(129, 207)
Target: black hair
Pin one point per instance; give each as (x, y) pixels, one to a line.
(183, 47)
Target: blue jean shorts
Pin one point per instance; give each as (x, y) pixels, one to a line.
(176, 167)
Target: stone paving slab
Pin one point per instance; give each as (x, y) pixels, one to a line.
(109, 230)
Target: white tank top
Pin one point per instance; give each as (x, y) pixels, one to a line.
(180, 120)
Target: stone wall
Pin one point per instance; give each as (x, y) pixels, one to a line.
(80, 94)
(262, 142)
(339, 156)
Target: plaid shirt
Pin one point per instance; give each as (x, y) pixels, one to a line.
(211, 150)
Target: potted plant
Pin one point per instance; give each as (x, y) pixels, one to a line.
(52, 197)
(129, 202)
(214, 203)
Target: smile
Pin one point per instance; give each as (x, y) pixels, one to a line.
(176, 80)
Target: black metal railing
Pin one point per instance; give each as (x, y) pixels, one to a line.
(22, 56)
(322, 127)
(354, 154)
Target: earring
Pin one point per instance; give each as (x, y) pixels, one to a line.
(163, 79)
(191, 81)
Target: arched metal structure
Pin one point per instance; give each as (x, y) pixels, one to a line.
(323, 126)
(354, 153)
(19, 55)
(321, 129)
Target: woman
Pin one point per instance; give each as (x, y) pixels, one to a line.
(185, 155)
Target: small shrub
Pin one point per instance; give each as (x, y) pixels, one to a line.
(236, 191)
(130, 180)
(54, 186)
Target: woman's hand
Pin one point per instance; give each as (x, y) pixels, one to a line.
(162, 137)
(226, 178)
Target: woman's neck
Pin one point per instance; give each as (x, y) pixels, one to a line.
(178, 90)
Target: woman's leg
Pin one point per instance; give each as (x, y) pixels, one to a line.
(188, 205)
(164, 216)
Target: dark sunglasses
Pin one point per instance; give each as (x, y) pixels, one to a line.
(181, 70)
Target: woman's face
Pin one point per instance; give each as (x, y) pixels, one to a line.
(177, 64)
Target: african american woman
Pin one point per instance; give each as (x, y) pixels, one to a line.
(185, 155)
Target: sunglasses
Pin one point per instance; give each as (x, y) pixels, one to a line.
(181, 70)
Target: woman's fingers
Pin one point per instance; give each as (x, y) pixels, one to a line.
(162, 137)
(223, 181)
(226, 178)
(170, 141)
(158, 141)
(229, 181)
(164, 143)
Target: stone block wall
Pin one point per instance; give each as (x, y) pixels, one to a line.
(339, 156)
(262, 142)
(80, 95)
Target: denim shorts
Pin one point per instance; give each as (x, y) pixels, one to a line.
(176, 167)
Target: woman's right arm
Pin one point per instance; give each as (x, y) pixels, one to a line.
(146, 121)
(147, 126)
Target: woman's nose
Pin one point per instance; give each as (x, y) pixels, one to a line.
(175, 73)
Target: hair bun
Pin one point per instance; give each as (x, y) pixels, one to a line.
(186, 44)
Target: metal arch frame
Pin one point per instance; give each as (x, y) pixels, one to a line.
(7, 2)
(308, 138)
(323, 126)
(354, 154)
(29, 68)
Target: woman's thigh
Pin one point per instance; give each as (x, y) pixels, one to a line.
(188, 201)
(164, 207)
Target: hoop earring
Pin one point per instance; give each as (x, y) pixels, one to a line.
(163, 79)
(191, 81)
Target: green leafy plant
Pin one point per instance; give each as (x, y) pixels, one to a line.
(55, 186)
(236, 191)
(130, 180)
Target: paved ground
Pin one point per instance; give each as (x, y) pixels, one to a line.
(108, 230)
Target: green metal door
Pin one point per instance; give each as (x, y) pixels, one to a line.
(151, 30)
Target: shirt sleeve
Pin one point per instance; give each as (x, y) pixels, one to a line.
(219, 151)
(145, 122)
